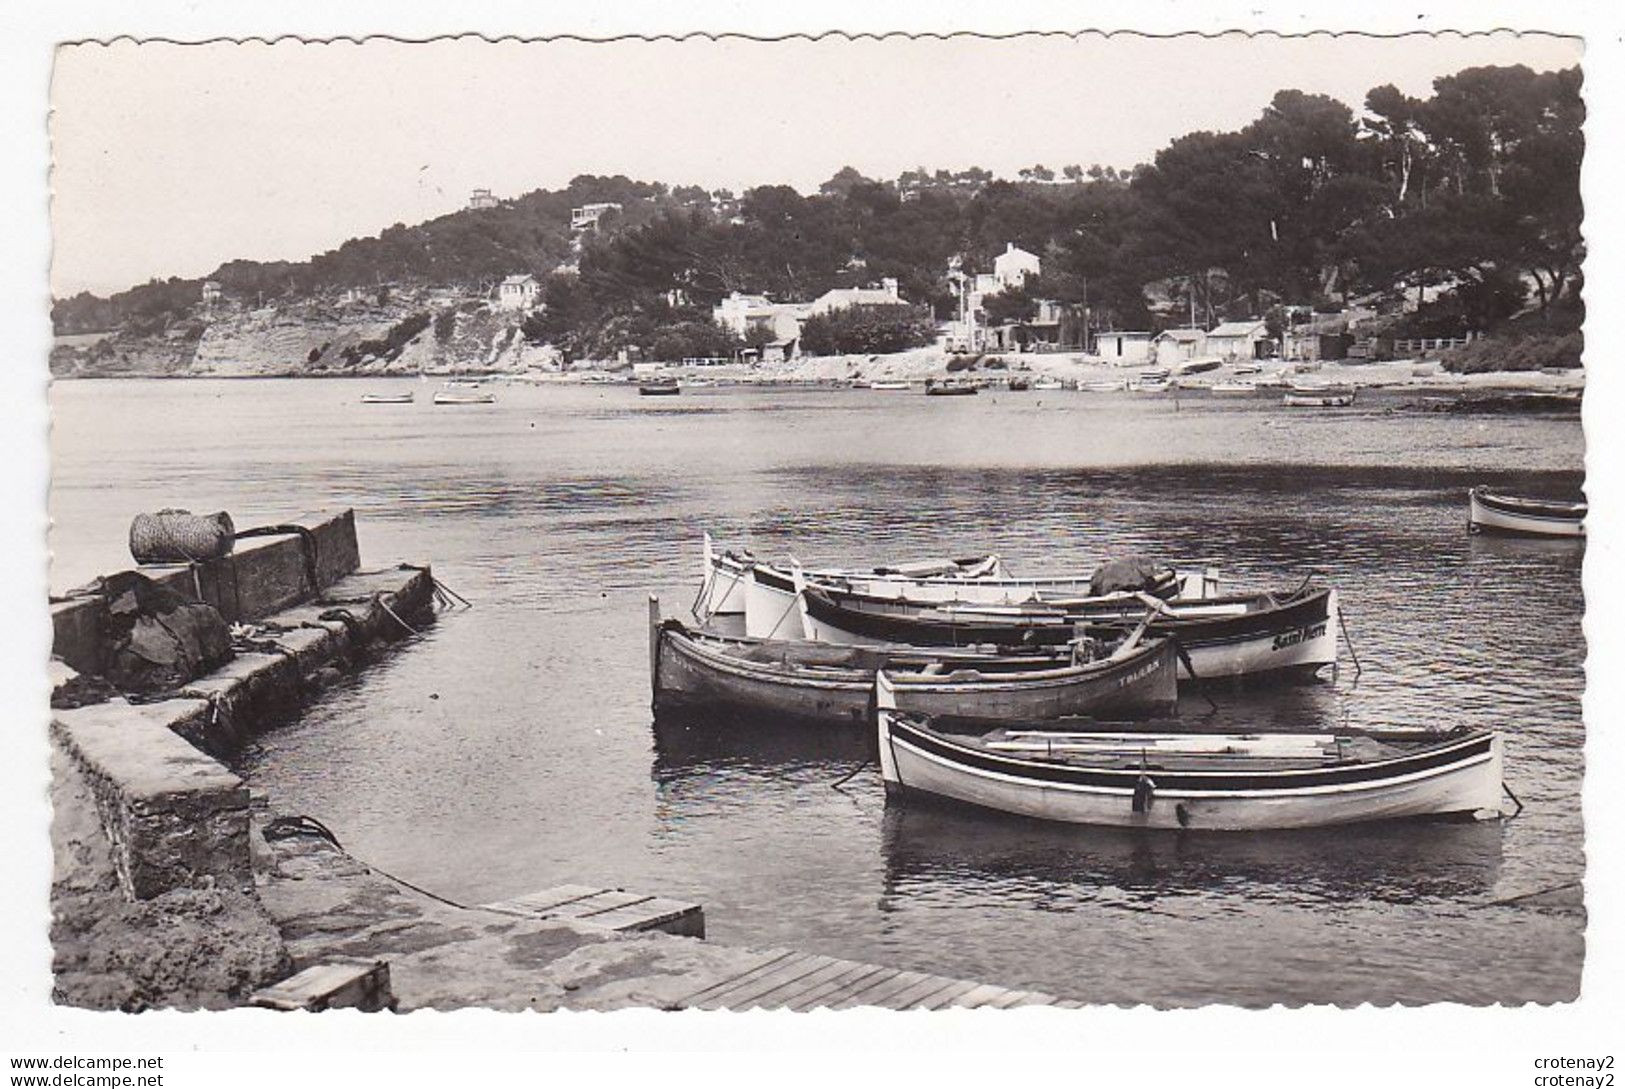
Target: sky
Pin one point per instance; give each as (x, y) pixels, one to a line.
(171, 159)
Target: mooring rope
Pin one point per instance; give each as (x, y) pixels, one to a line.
(1343, 625)
(280, 828)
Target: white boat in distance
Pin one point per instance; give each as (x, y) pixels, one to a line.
(1045, 385)
(388, 398)
(1222, 782)
(1234, 389)
(888, 386)
(464, 391)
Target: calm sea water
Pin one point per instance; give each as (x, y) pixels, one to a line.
(511, 748)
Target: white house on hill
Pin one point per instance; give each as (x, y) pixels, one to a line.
(841, 297)
(1012, 267)
(518, 292)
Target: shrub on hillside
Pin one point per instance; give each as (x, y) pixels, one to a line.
(1526, 352)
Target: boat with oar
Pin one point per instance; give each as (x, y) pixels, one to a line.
(1498, 512)
(1131, 676)
(1224, 782)
(659, 387)
(388, 398)
(1226, 636)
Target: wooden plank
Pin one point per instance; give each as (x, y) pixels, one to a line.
(818, 996)
(913, 996)
(605, 900)
(880, 991)
(655, 913)
(786, 993)
(941, 999)
(743, 993)
(979, 995)
(538, 904)
(1014, 998)
(769, 958)
(335, 985)
(874, 979)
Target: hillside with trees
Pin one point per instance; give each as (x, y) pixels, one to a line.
(1460, 211)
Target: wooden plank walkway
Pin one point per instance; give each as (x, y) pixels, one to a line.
(785, 979)
(611, 909)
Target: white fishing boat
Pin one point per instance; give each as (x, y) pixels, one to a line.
(1047, 385)
(1497, 512)
(888, 385)
(1222, 782)
(388, 398)
(1234, 389)
(1105, 387)
(464, 392)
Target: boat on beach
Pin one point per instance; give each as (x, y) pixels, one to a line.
(888, 386)
(951, 387)
(1131, 677)
(1233, 389)
(658, 387)
(1229, 636)
(1222, 782)
(1048, 385)
(388, 398)
(1327, 398)
(1498, 512)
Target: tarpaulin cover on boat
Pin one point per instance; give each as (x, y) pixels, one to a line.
(1128, 574)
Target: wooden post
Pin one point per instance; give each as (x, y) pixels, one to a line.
(654, 645)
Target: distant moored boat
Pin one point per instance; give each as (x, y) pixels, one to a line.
(388, 398)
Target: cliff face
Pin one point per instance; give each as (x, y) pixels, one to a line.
(411, 332)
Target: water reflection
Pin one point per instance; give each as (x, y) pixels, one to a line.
(932, 847)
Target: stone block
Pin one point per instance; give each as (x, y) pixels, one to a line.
(77, 627)
(175, 818)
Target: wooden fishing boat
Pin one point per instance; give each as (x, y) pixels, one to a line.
(1233, 389)
(1497, 512)
(388, 398)
(1048, 385)
(1198, 366)
(1019, 384)
(1228, 636)
(1299, 395)
(888, 386)
(764, 594)
(1105, 387)
(1223, 782)
(1133, 677)
(658, 387)
(740, 588)
(949, 388)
